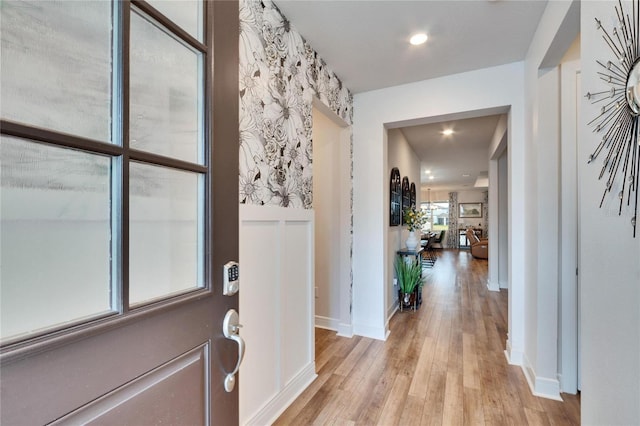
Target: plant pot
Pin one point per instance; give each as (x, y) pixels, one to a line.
(407, 300)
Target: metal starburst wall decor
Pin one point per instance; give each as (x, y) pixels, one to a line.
(617, 119)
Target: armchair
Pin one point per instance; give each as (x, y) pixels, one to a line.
(479, 247)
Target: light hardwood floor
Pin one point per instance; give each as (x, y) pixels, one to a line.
(443, 364)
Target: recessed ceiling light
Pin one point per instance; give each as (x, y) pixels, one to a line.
(428, 172)
(447, 132)
(431, 177)
(417, 39)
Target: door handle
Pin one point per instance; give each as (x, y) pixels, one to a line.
(230, 329)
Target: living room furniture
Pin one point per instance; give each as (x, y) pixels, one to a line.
(464, 242)
(428, 255)
(437, 242)
(479, 247)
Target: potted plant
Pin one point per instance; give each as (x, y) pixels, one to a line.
(409, 275)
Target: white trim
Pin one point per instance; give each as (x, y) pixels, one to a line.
(541, 386)
(493, 286)
(341, 329)
(276, 406)
(345, 330)
(365, 330)
(327, 323)
(514, 357)
(392, 311)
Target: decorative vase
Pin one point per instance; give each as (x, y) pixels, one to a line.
(412, 242)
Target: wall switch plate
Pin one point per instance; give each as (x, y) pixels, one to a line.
(231, 278)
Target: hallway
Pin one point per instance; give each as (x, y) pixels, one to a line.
(442, 365)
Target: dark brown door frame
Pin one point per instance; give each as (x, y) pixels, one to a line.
(225, 180)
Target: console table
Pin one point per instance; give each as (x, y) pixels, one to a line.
(417, 253)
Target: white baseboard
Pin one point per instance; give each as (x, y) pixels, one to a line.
(504, 284)
(514, 357)
(345, 330)
(573, 390)
(364, 330)
(276, 406)
(341, 329)
(541, 386)
(391, 311)
(493, 286)
(327, 323)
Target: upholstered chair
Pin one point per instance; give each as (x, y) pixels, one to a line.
(479, 247)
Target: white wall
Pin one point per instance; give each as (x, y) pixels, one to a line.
(541, 363)
(556, 31)
(332, 207)
(490, 90)
(570, 97)
(497, 148)
(609, 264)
(402, 156)
(503, 221)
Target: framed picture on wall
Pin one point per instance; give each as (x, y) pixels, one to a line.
(395, 191)
(412, 194)
(470, 210)
(406, 196)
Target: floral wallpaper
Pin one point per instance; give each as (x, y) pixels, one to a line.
(279, 76)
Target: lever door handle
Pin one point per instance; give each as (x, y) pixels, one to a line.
(230, 329)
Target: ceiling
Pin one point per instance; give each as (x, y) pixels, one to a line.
(365, 42)
(449, 158)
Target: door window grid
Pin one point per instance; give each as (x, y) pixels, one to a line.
(122, 156)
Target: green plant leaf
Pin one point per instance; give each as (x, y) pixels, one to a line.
(409, 274)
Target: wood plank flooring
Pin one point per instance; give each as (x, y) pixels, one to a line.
(442, 365)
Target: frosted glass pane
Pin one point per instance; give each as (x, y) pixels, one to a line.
(55, 235)
(185, 13)
(164, 246)
(55, 67)
(164, 113)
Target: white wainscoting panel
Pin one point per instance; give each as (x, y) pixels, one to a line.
(276, 309)
(297, 315)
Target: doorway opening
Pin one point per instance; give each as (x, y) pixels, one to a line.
(332, 197)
